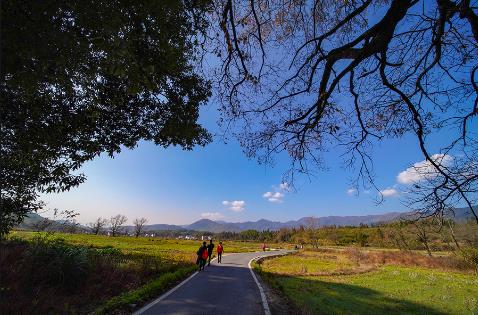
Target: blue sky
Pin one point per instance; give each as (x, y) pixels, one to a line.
(219, 182)
(178, 187)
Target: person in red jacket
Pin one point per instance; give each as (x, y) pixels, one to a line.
(220, 249)
(202, 256)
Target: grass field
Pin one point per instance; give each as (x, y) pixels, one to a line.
(92, 273)
(335, 282)
(177, 250)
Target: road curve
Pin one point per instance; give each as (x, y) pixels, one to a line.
(226, 288)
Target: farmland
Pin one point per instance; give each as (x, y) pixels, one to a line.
(353, 281)
(170, 249)
(100, 274)
(92, 273)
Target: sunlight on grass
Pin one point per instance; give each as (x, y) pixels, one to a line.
(389, 289)
(172, 249)
(309, 263)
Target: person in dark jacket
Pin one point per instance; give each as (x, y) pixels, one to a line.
(210, 248)
(202, 256)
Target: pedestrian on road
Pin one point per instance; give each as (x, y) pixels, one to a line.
(220, 249)
(210, 248)
(202, 256)
(264, 247)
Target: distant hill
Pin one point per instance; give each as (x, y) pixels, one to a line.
(357, 220)
(34, 221)
(261, 225)
(157, 227)
(213, 226)
(461, 214)
(30, 221)
(206, 225)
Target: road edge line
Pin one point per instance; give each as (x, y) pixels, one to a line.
(265, 305)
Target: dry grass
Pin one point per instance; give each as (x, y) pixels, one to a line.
(408, 259)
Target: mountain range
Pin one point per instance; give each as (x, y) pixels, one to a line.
(461, 214)
(206, 225)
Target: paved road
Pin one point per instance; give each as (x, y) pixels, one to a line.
(226, 288)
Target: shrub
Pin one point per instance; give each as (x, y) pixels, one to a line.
(470, 255)
(54, 262)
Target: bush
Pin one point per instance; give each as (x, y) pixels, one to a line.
(48, 275)
(470, 255)
(54, 262)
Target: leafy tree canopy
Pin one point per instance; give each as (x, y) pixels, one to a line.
(83, 77)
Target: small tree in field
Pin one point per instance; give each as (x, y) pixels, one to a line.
(139, 226)
(98, 226)
(312, 237)
(423, 234)
(116, 224)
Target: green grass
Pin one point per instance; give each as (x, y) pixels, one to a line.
(387, 290)
(146, 292)
(149, 265)
(308, 263)
(181, 250)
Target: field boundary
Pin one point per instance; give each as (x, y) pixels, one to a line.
(265, 304)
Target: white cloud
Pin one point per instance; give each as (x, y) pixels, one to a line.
(277, 196)
(284, 187)
(274, 196)
(389, 192)
(212, 215)
(423, 170)
(236, 205)
(351, 191)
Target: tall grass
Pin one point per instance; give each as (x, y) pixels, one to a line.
(79, 278)
(414, 259)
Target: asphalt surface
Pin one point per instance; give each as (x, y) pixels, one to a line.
(225, 288)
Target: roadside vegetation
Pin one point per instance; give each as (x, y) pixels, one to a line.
(358, 281)
(92, 273)
(96, 273)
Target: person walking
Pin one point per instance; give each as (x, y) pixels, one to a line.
(202, 256)
(220, 249)
(210, 248)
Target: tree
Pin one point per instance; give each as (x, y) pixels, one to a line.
(98, 226)
(302, 76)
(311, 226)
(116, 224)
(397, 235)
(422, 230)
(61, 220)
(80, 78)
(139, 226)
